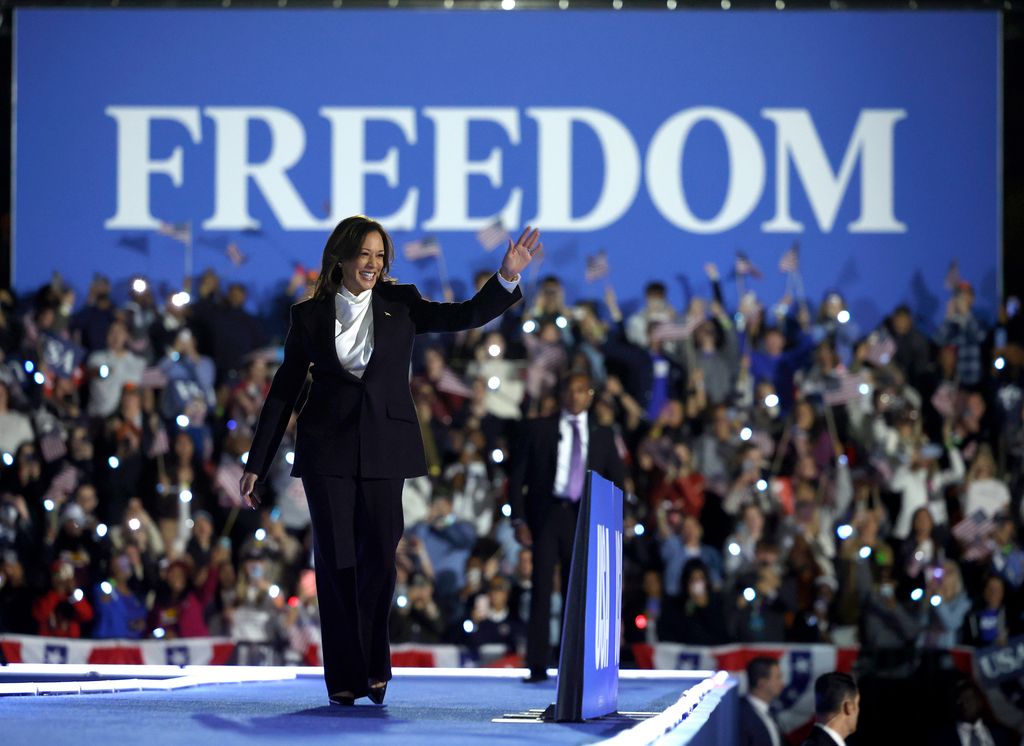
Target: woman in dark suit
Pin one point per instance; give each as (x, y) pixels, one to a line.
(358, 438)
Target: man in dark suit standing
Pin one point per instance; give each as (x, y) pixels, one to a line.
(758, 726)
(836, 709)
(545, 486)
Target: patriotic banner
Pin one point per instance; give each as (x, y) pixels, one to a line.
(880, 178)
(1000, 671)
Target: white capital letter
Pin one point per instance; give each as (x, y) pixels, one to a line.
(665, 170)
(554, 168)
(453, 167)
(871, 144)
(349, 165)
(134, 165)
(234, 170)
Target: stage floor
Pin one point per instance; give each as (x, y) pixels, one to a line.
(218, 705)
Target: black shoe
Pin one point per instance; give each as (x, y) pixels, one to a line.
(377, 693)
(345, 700)
(536, 677)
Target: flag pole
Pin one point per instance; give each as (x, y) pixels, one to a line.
(188, 259)
(442, 270)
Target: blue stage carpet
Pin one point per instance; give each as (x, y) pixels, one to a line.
(419, 710)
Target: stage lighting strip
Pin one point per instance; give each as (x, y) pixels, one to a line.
(651, 730)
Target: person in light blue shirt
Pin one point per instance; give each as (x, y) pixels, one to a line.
(120, 614)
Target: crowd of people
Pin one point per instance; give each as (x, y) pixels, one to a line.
(790, 475)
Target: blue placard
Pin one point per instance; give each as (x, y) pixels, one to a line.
(604, 600)
(668, 139)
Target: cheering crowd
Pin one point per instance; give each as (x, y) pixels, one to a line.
(791, 475)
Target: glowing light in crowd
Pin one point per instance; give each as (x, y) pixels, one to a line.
(919, 555)
(260, 534)
(159, 633)
(671, 4)
(935, 600)
(39, 378)
(78, 595)
(106, 587)
(843, 459)
(104, 370)
(771, 401)
(113, 462)
(529, 327)
(101, 530)
(245, 457)
(508, 4)
(232, 424)
(843, 316)
(48, 505)
(494, 350)
(734, 549)
(274, 591)
(290, 457)
(190, 523)
(134, 524)
(762, 484)
(1000, 363)
(493, 383)
(139, 285)
(8, 459)
(497, 455)
(182, 420)
(185, 496)
(506, 510)
(293, 601)
(617, 4)
(561, 322)
(29, 366)
(864, 552)
(468, 626)
(563, 4)
(864, 389)
(917, 594)
(746, 433)
(726, 4)
(181, 299)
(845, 531)
(749, 594)
(401, 602)
(640, 621)
(639, 530)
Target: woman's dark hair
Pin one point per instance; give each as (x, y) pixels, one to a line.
(344, 244)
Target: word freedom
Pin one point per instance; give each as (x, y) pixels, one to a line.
(798, 152)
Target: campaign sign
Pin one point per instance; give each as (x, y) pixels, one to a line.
(588, 667)
(235, 139)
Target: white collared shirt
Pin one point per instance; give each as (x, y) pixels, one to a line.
(565, 448)
(353, 330)
(832, 734)
(984, 736)
(761, 708)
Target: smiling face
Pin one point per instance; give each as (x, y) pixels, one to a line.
(361, 272)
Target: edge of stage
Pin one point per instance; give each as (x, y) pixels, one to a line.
(233, 704)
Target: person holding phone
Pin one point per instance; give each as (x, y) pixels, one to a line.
(357, 436)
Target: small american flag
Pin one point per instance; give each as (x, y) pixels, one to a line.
(234, 254)
(944, 399)
(790, 261)
(842, 387)
(493, 236)
(160, 445)
(153, 378)
(180, 232)
(52, 446)
(65, 481)
(549, 355)
(973, 532)
(229, 474)
(597, 266)
(952, 276)
(745, 267)
(416, 250)
(673, 331)
(881, 348)
(450, 383)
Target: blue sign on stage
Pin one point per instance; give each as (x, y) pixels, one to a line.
(666, 139)
(588, 669)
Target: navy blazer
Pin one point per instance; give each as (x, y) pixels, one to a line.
(753, 731)
(367, 426)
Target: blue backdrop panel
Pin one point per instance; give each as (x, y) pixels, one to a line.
(668, 139)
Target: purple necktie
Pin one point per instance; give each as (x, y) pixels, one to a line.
(575, 490)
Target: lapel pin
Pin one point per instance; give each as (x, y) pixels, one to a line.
(386, 313)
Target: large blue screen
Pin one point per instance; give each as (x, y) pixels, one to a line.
(668, 139)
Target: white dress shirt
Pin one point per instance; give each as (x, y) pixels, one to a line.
(964, 730)
(761, 708)
(565, 449)
(353, 326)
